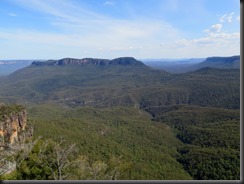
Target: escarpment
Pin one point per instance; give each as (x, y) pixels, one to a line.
(13, 125)
(92, 61)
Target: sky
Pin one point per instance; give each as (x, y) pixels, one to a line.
(55, 29)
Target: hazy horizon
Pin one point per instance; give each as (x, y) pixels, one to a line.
(143, 59)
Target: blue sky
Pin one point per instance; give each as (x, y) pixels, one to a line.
(54, 29)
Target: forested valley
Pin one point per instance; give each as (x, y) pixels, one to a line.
(96, 119)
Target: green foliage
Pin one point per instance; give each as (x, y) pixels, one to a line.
(148, 148)
(47, 160)
(211, 163)
(10, 176)
(113, 169)
(44, 159)
(206, 87)
(35, 165)
(211, 137)
(6, 110)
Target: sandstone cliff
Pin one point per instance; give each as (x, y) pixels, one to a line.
(13, 127)
(93, 61)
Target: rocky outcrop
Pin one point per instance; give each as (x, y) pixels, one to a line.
(68, 61)
(93, 61)
(13, 125)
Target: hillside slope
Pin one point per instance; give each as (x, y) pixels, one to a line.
(86, 84)
(211, 138)
(127, 133)
(123, 81)
(220, 62)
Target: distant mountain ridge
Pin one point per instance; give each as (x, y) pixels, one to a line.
(94, 61)
(232, 62)
(223, 59)
(122, 81)
(9, 66)
(220, 62)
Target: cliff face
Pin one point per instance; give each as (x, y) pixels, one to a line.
(13, 127)
(93, 61)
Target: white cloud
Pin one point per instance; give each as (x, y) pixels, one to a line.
(108, 3)
(93, 28)
(215, 35)
(227, 17)
(214, 28)
(61, 10)
(111, 38)
(84, 33)
(215, 43)
(12, 14)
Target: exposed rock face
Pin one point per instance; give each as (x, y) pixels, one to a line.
(13, 127)
(84, 61)
(67, 61)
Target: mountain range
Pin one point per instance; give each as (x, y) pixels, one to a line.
(170, 65)
(122, 81)
(162, 125)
